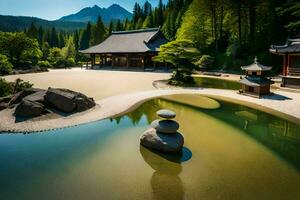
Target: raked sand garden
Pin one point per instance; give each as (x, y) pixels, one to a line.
(94, 83)
(117, 92)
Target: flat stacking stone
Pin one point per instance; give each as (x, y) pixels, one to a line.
(165, 126)
(161, 142)
(167, 114)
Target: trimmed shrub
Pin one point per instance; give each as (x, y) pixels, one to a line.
(6, 88)
(206, 61)
(5, 66)
(44, 64)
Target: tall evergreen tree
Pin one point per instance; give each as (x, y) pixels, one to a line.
(119, 26)
(61, 40)
(76, 39)
(137, 13)
(111, 27)
(32, 32)
(98, 32)
(54, 38)
(160, 13)
(86, 37)
(40, 35)
(147, 9)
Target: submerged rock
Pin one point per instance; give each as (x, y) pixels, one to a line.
(29, 109)
(165, 126)
(153, 139)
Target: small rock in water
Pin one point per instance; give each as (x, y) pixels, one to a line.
(161, 142)
(167, 114)
(165, 126)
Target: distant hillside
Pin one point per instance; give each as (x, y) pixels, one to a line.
(112, 13)
(12, 23)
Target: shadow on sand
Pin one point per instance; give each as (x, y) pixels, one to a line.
(276, 97)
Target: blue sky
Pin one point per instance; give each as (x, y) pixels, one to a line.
(54, 9)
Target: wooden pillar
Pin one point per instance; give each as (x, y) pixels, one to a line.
(112, 60)
(93, 60)
(127, 60)
(288, 64)
(143, 61)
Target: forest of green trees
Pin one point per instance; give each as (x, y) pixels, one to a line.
(229, 32)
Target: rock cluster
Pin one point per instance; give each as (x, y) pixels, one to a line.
(35, 102)
(164, 135)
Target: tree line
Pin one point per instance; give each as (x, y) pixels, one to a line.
(228, 32)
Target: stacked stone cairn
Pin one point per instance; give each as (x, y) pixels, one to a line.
(163, 135)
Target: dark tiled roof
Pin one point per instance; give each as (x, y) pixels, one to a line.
(291, 46)
(255, 81)
(255, 67)
(137, 41)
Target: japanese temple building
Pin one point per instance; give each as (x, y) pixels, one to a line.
(255, 83)
(291, 62)
(128, 49)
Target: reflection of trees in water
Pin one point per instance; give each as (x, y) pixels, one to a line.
(165, 181)
(279, 135)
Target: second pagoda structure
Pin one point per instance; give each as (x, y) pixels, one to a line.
(255, 83)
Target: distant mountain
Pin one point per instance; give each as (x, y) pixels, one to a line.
(12, 23)
(114, 12)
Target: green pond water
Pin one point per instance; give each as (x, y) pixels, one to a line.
(208, 82)
(230, 152)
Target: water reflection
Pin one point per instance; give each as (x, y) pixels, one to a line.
(279, 135)
(165, 180)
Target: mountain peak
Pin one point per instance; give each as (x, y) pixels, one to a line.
(115, 6)
(112, 13)
(95, 6)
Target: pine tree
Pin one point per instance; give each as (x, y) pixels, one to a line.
(111, 27)
(61, 40)
(148, 23)
(160, 13)
(147, 9)
(32, 32)
(53, 38)
(86, 37)
(76, 39)
(119, 26)
(40, 35)
(98, 32)
(137, 13)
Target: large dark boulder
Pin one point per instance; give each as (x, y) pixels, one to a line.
(84, 103)
(29, 109)
(17, 98)
(68, 101)
(61, 100)
(37, 97)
